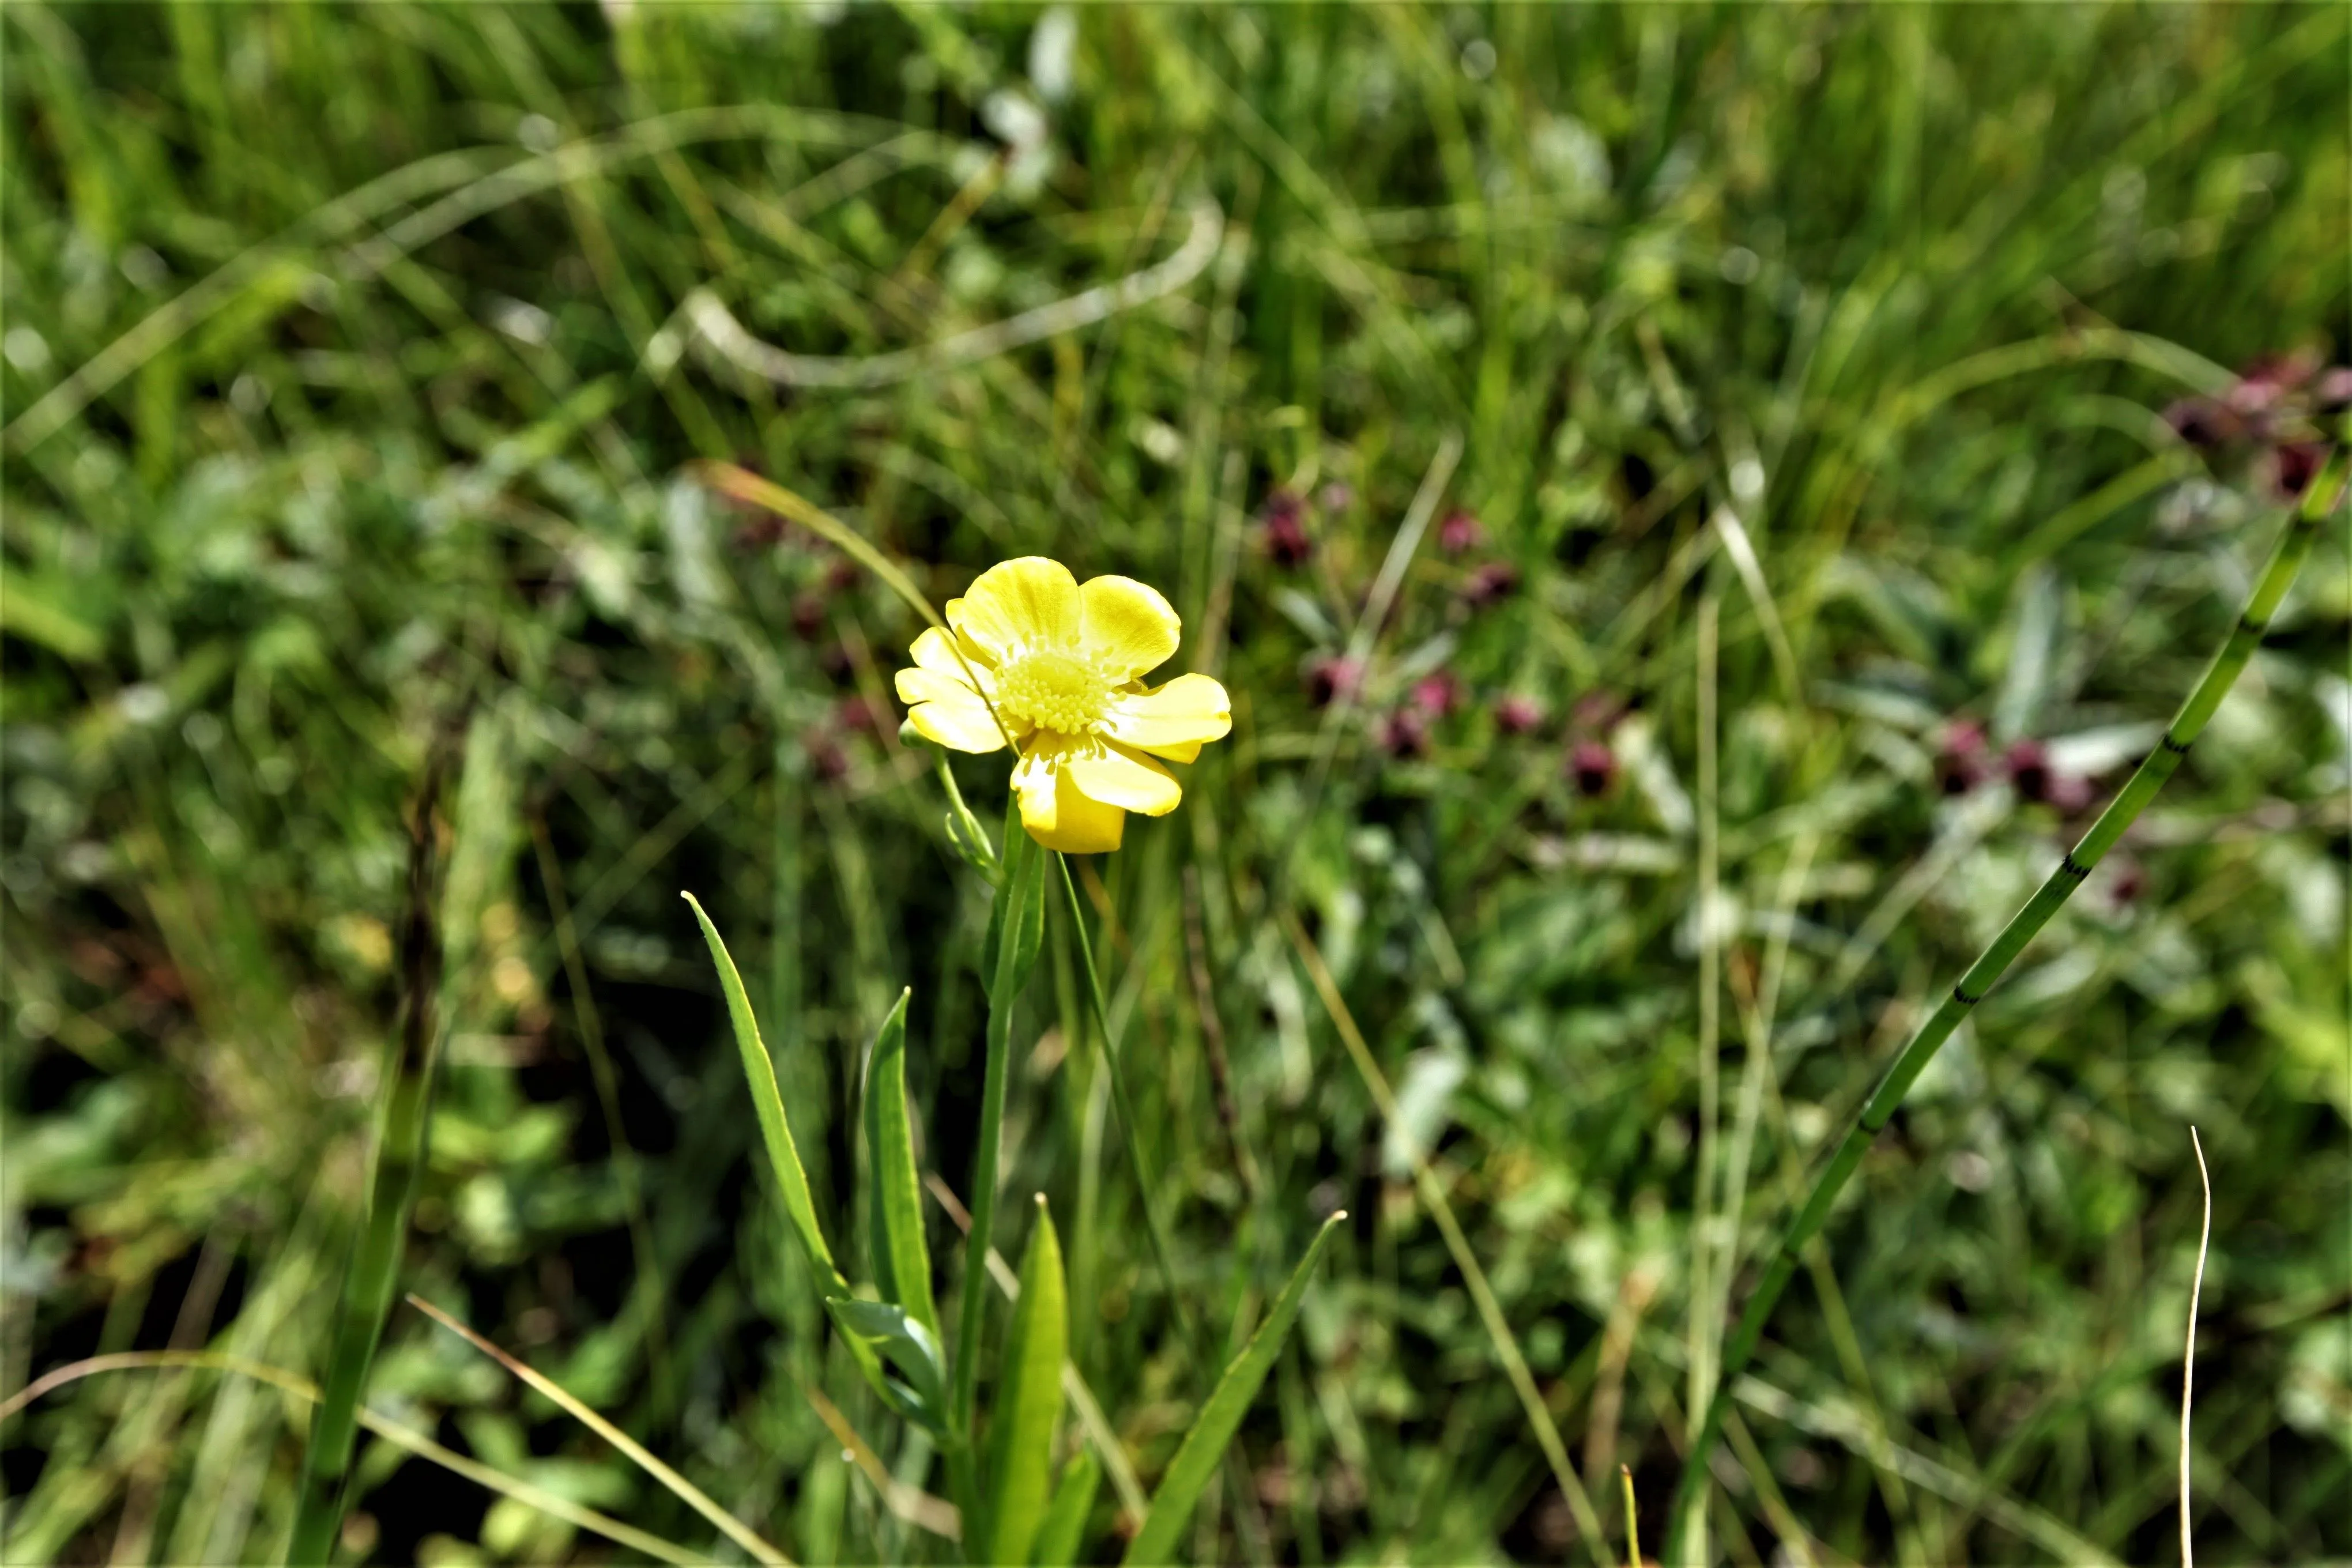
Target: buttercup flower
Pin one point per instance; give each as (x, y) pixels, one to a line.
(1063, 664)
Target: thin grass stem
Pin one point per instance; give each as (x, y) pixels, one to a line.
(1704, 1334)
(1482, 1293)
(2188, 1349)
(368, 1280)
(694, 1497)
(391, 1431)
(2323, 496)
(649, 1286)
(1125, 1107)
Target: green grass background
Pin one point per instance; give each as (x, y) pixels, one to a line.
(343, 407)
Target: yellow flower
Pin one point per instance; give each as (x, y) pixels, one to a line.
(1063, 665)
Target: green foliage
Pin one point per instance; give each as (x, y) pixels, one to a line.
(1062, 1535)
(1028, 1404)
(775, 1128)
(902, 1261)
(346, 380)
(1204, 1442)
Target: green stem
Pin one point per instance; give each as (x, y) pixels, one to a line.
(1004, 985)
(1125, 1106)
(2286, 561)
(368, 1282)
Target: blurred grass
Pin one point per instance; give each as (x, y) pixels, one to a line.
(341, 381)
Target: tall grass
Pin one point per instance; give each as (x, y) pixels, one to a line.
(348, 367)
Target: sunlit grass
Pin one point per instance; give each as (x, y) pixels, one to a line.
(351, 393)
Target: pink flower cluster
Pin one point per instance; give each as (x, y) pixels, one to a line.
(2270, 410)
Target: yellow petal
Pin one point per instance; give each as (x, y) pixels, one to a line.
(1081, 826)
(961, 722)
(937, 650)
(1036, 779)
(1173, 721)
(1015, 605)
(1128, 628)
(1129, 780)
(920, 685)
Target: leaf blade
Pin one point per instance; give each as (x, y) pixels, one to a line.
(768, 1102)
(902, 1258)
(1204, 1446)
(1064, 1529)
(1028, 1400)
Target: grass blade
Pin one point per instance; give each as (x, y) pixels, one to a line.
(694, 1497)
(368, 1282)
(1482, 1293)
(784, 1154)
(916, 1506)
(2324, 493)
(391, 1431)
(1143, 1188)
(1028, 1401)
(1204, 1446)
(1064, 1529)
(902, 1262)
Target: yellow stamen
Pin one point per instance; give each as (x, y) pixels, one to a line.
(1053, 690)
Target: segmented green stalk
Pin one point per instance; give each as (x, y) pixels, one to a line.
(368, 1282)
(2286, 561)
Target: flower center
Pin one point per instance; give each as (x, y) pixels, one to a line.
(1053, 692)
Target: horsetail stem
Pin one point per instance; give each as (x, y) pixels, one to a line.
(2286, 559)
(368, 1282)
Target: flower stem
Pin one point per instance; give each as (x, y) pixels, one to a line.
(1004, 980)
(2286, 559)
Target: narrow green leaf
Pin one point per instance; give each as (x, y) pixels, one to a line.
(783, 1153)
(1064, 1529)
(1028, 1400)
(1204, 1446)
(902, 1261)
(892, 1334)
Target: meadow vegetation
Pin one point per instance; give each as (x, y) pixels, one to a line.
(1696, 508)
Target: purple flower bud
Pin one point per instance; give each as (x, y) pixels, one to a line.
(1436, 695)
(2029, 769)
(1460, 532)
(2070, 793)
(1404, 733)
(1287, 543)
(2295, 465)
(1518, 715)
(1330, 677)
(1593, 766)
(2200, 421)
(1489, 584)
(2335, 390)
(1960, 757)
